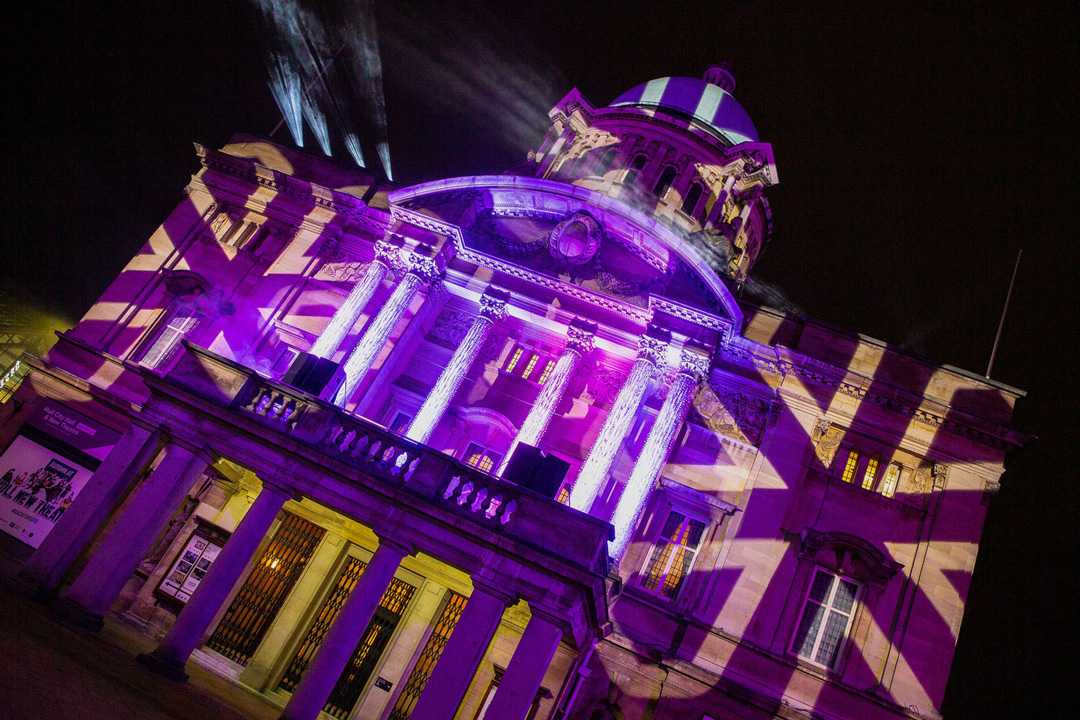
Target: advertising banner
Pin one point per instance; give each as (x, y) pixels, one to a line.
(45, 467)
(37, 486)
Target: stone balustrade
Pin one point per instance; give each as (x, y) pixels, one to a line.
(316, 425)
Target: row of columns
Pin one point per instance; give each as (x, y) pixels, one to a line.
(422, 270)
(141, 519)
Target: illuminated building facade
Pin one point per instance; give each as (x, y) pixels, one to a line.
(287, 441)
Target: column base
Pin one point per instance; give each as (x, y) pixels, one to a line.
(74, 615)
(166, 667)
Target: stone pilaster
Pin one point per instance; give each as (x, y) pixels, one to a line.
(523, 675)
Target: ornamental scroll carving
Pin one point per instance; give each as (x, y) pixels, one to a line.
(733, 415)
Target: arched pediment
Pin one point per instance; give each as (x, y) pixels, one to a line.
(848, 555)
(576, 235)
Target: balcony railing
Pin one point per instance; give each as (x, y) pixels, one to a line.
(385, 456)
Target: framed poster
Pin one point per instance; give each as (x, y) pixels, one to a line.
(191, 564)
(37, 486)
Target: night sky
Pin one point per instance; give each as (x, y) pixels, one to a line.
(917, 152)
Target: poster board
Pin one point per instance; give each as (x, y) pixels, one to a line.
(191, 564)
(46, 466)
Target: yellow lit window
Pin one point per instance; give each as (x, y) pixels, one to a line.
(871, 474)
(849, 466)
(529, 366)
(891, 480)
(513, 361)
(563, 496)
(481, 458)
(547, 372)
(673, 555)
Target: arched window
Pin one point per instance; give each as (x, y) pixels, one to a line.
(664, 183)
(693, 195)
(636, 167)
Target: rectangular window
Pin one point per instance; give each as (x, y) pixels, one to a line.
(514, 358)
(826, 618)
(525, 373)
(400, 423)
(850, 465)
(891, 480)
(871, 473)
(179, 325)
(547, 372)
(481, 458)
(673, 555)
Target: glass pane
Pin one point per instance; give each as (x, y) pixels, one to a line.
(822, 584)
(656, 566)
(671, 527)
(696, 529)
(808, 629)
(677, 572)
(845, 596)
(830, 639)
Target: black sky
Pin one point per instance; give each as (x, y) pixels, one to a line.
(917, 151)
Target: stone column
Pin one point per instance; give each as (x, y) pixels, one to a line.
(526, 670)
(46, 567)
(341, 640)
(130, 537)
(188, 631)
(551, 394)
(452, 674)
(492, 309)
(594, 471)
(346, 316)
(422, 271)
(693, 366)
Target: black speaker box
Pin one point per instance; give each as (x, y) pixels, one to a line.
(537, 470)
(313, 374)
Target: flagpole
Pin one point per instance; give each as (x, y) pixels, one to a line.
(1005, 309)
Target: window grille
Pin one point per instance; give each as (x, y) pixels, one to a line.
(871, 473)
(480, 457)
(891, 480)
(826, 618)
(374, 639)
(429, 656)
(260, 598)
(850, 465)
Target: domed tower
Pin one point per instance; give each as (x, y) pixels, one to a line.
(682, 149)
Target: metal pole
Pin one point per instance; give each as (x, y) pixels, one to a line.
(1005, 309)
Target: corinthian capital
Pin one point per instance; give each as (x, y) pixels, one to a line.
(580, 338)
(492, 306)
(652, 350)
(388, 254)
(426, 268)
(693, 363)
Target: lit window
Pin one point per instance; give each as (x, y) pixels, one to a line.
(850, 465)
(664, 183)
(891, 480)
(690, 203)
(564, 495)
(673, 554)
(179, 325)
(514, 357)
(547, 372)
(529, 366)
(871, 473)
(480, 457)
(826, 618)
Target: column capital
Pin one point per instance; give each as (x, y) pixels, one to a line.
(652, 350)
(402, 547)
(427, 267)
(580, 336)
(389, 254)
(493, 304)
(693, 363)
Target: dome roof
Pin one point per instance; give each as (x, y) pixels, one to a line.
(700, 99)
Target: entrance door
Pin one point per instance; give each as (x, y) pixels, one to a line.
(372, 643)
